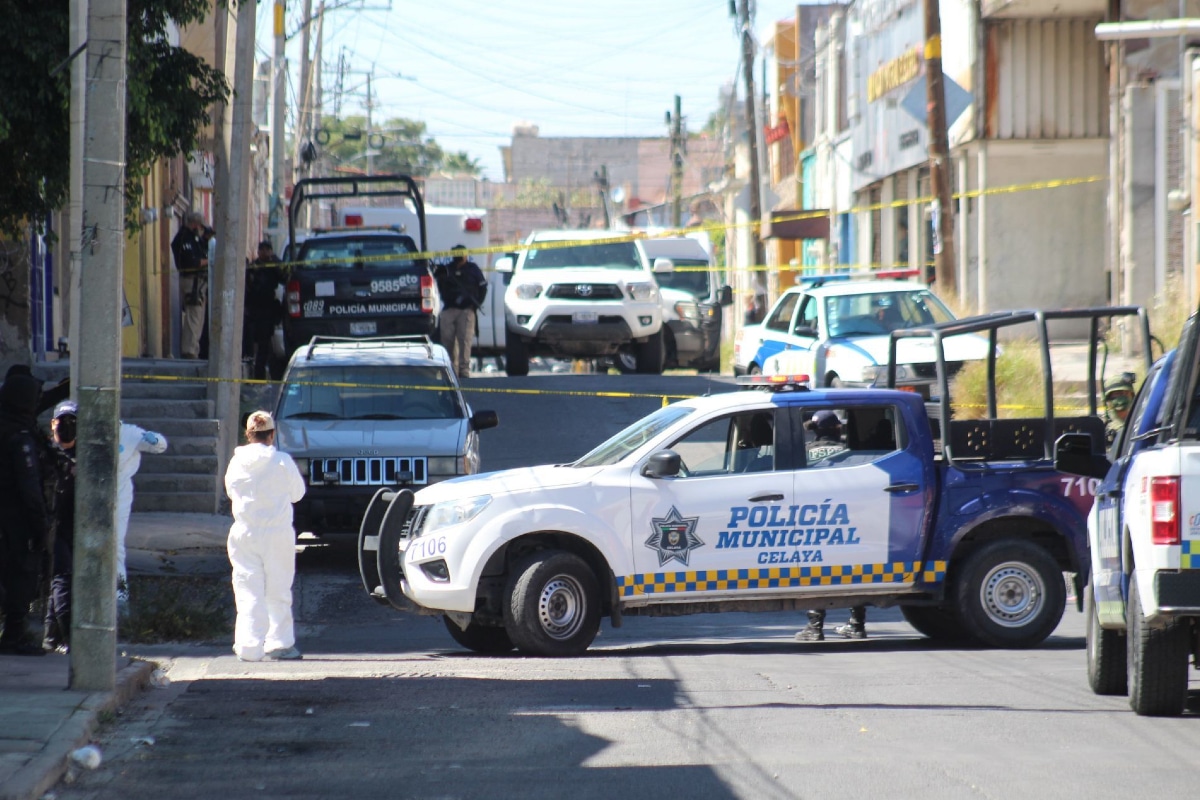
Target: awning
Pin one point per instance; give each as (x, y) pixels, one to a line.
(783, 224)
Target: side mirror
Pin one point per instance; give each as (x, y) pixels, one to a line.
(804, 330)
(1073, 455)
(663, 464)
(725, 296)
(663, 265)
(504, 264)
(482, 420)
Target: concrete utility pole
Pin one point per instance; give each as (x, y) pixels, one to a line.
(370, 130)
(939, 153)
(676, 123)
(94, 620)
(78, 36)
(745, 23)
(225, 298)
(304, 117)
(278, 113)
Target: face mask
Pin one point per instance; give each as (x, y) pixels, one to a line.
(66, 429)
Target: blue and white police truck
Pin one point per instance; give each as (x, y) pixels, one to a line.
(737, 502)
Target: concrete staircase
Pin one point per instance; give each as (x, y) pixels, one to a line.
(156, 394)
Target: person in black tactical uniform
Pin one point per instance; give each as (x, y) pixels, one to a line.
(463, 289)
(827, 441)
(191, 260)
(263, 309)
(22, 511)
(57, 636)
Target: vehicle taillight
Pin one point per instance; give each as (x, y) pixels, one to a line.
(1164, 510)
(354, 220)
(472, 224)
(293, 298)
(427, 295)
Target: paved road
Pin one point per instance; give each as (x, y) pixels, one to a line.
(705, 706)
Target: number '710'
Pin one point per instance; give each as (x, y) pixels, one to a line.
(1084, 487)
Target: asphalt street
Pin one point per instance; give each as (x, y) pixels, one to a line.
(725, 705)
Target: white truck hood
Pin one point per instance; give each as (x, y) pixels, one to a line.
(410, 437)
(510, 481)
(582, 275)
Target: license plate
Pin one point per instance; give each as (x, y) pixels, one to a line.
(585, 317)
(362, 328)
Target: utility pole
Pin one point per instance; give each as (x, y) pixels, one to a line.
(226, 295)
(77, 29)
(279, 97)
(304, 117)
(939, 154)
(370, 129)
(677, 149)
(94, 621)
(746, 24)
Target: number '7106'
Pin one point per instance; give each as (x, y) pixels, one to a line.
(1084, 487)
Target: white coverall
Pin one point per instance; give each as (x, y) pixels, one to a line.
(131, 443)
(262, 484)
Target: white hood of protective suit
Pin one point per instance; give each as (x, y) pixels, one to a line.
(262, 484)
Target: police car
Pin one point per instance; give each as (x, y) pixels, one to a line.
(743, 501)
(836, 328)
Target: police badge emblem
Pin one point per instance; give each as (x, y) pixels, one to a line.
(673, 537)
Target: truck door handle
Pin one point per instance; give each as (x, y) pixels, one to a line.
(765, 498)
(902, 487)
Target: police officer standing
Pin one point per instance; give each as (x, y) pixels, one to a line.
(263, 309)
(22, 511)
(463, 289)
(826, 430)
(191, 260)
(63, 425)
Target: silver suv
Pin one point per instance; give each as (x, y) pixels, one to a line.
(361, 414)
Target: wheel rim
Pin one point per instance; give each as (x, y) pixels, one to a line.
(1012, 594)
(561, 607)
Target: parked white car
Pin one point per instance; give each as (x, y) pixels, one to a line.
(838, 333)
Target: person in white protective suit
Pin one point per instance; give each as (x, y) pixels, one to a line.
(262, 484)
(132, 441)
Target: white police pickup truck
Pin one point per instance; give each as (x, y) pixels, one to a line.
(733, 502)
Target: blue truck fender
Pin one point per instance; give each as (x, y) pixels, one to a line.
(1014, 513)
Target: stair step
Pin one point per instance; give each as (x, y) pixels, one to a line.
(188, 446)
(156, 367)
(166, 409)
(160, 390)
(172, 428)
(178, 463)
(179, 502)
(173, 482)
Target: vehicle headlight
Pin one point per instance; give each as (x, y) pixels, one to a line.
(528, 291)
(443, 465)
(687, 310)
(643, 291)
(879, 375)
(454, 512)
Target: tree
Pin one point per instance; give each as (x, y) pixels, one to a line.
(169, 93)
(461, 163)
(400, 146)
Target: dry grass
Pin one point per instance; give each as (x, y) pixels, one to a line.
(1170, 310)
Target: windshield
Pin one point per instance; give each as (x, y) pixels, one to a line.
(633, 437)
(883, 312)
(611, 255)
(352, 253)
(370, 392)
(690, 275)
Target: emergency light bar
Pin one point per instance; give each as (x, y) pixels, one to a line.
(776, 382)
(861, 274)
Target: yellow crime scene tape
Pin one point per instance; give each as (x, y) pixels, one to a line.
(665, 398)
(709, 227)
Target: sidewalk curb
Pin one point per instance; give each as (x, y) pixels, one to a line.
(46, 769)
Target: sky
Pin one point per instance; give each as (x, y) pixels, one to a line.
(471, 70)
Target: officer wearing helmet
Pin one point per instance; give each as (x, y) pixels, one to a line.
(1118, 401)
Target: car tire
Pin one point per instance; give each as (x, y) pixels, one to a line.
(651, 355)
(1156, 663)
(1010, 594)
(516, 356)
(485, 639)
(625, 361)
(552, 604)
(939, 623)
(1106, 667)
